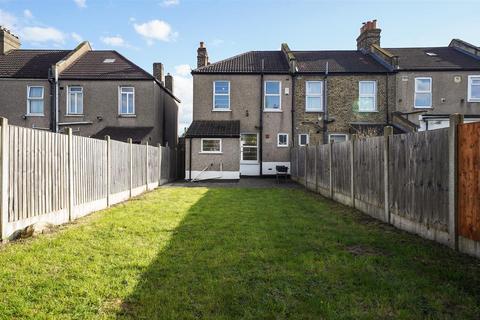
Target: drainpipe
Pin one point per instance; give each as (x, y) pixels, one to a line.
(56, 100)
(293, 109)
(51, 80)
(190, 161)
(388, 100)
(325, 104)
(260, 147)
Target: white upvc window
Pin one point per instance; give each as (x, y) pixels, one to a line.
(75, 100)
(314, 96)
(337, 137)
(221, 95)
(303, 139)
(249, 147)
(126, 100)
(272, 96)
(211, 146)
(423, 92)
(282, 140)
(367, 96)
(35, 100)
(474, 88)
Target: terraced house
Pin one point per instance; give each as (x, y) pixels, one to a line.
(94, 92)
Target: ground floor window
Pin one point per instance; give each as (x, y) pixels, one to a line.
(303, 139)
(211, 145)
(249, 147)
(337, 137)
(282, 140)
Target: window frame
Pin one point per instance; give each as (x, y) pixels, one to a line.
(256, 147)
(314, 96)
(415, 93)
(68, 101)
(35, 114)
(278, 140)
(120, 101)
(337, 134)
(368, 95)
(469, 89)
(211, 139)
(221, 94)
(300, 139)
(265, 94)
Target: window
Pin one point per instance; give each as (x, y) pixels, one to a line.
(35, 101)
(474, 88)
(423, 92)
(211, 145)
(337, 137)
(272, 99)
(282, 140)
(367, 96)
(127, 101)
(314, 96)
(221, 95)
(249, 147)
(75, 100)
(303, 139)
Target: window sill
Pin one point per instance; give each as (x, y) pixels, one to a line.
(415, 107)
(473, 100)
(206, 152)
(314, 111)
(222, 110)
(127, 115)
(373, 111)
(272, 110)
(74, 115)
(282, 146)
(35, 115)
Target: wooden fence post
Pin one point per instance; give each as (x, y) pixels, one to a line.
(298, 153)
(70, 174)
(4, 141)
(146, 166)
(352, 167)
(316, 168)
(159, 164)
(109, 169)
(455, 120)
(330, 165)
(305, 167)
(387, 133)
(129, 140)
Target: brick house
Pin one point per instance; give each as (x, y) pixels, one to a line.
(94, 92)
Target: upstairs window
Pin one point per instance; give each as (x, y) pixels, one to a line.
(35, 100)
(272, 99)
(474, 88)
(127, 100)
(314, 96)
(423, 93)
(303, 139)
(367, 96)
(221, 95)
(75, 100)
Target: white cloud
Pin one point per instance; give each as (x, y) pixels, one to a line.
(155, 30)
(183, 70)
(183, 88)
(27, 14)
(115, 41)
(76, 37)
(169, 3)
(42, 34)
(8, 20)
(81, 3)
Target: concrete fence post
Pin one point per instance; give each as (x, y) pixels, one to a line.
(129, 141)
(109, 169)
(305, 167)
(330, 166)
(387, 133)
(146, 165)
(352, 168)
(455, 120)
(70, 175)
(4, 141)
(159, 164)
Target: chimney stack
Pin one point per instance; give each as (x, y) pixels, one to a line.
(202, 55)
(8, 41)
(369, 35)
(169, 82)
(158, 71)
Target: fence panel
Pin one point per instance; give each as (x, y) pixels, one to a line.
(310, 169)
(323, 168)
(301, 163)
(418, 171)
(293, 161)
(341, 171)
(139, 165)
(120, 167)
(165, 170)
(153, 165)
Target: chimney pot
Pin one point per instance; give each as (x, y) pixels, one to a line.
(158, 72)
(369, 35)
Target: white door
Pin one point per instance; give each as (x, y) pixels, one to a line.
(249, 165)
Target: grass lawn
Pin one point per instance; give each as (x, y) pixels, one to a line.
(189, 253)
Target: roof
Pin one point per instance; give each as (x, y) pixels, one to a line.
(104, 64)
(249, 62)
(123, 133)
(345, 61)
(440, 58)
(31, 64)
(214, 129)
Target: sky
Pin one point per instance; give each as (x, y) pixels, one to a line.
(169, 31)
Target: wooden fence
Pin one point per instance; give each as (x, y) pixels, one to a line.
(411, 181)
(56, 178)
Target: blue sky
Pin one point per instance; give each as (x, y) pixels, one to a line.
(168, 31)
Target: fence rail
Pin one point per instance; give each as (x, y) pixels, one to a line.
(408, 180)
(56, 178)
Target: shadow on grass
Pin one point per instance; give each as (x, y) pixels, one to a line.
(260, 253)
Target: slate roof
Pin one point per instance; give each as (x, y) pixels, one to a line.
(249, 62)
(123, 133)
(31, 64)
(445, 58)
(339, 61)
(214, 129)
(91, 65)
